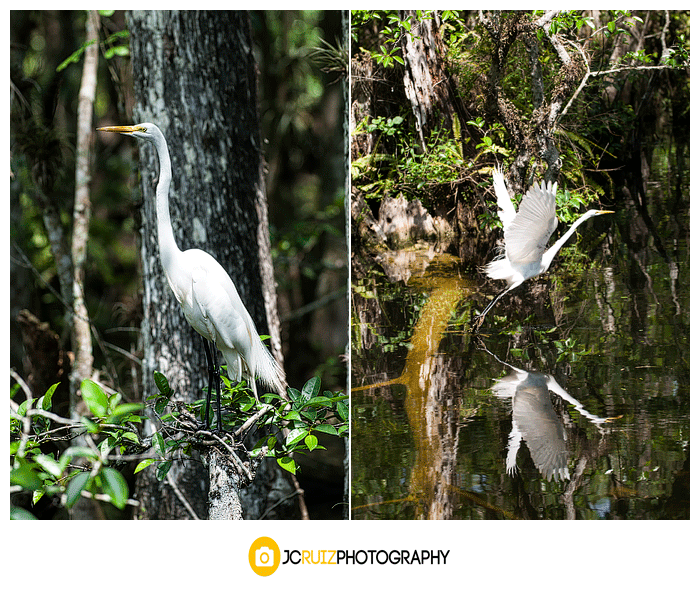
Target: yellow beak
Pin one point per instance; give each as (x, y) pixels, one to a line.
(606, 212)
(120, 129)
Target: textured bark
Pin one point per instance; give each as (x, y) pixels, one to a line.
(531, 136)
(81, 337)
(426, 82)
(195, 77)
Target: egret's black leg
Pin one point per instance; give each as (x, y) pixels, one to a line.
(482, 315)
(217, 379)
(210, 369)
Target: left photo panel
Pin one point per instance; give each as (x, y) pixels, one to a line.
(179, 265)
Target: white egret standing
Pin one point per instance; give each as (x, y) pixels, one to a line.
(206, 293)
(526, 234)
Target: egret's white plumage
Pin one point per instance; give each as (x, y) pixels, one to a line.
(526, 233)
(203, 288)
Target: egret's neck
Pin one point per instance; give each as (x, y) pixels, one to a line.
(548, 256)
(166, 239)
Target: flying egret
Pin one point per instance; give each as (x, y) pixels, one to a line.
(526, 234)
(206, 293)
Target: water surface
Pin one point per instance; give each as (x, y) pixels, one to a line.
(573, 403)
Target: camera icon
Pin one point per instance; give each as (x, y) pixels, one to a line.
(264, 557)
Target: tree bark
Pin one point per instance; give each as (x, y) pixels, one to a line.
(81, 336)
(426, 82)
(531, 136)
(195, 77)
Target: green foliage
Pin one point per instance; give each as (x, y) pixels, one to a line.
(309, 414)
(302, 418)
(113, 431)
(422, 172)
(116, 44)
(440, 163)
(388, 53)
(77, 470)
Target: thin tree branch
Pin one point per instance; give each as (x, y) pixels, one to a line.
(81, 336)
(182, 498)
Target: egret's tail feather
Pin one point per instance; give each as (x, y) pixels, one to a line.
(268, 370)
(262, 365)
(499, 268)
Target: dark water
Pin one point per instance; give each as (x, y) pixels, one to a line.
(574, 403)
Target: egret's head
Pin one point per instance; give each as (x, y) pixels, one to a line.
(146, 131)
(595, 213)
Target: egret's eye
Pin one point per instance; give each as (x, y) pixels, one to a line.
(141, 129)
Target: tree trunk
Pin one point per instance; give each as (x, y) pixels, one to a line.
(195, 77)
(81, 335)
(532, 135)
(427, 84)
(81, 331)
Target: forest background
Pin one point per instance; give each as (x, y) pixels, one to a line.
(300, 105)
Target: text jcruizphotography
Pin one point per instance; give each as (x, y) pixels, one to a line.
(365, 556)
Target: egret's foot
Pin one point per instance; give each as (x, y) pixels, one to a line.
(204, 426)
(476, 326)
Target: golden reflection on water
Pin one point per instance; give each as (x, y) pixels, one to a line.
(432, 414)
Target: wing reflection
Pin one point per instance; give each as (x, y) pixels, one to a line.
(536, 422)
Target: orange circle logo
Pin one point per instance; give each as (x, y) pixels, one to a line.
(264, 556)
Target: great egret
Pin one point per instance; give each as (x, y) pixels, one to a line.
(526, 235)
(206, 293)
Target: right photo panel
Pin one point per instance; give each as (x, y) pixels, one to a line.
(520, 269)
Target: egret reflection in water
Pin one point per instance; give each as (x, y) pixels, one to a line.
(536, 422)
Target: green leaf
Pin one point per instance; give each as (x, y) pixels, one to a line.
(75, 451)
(117, 50)
(126, 409)
(160, 405)
(143, 464)
(49, 464)
(294, 394)
(131, 436)
(75, 56)
(24, 406)
(106, 446)
(311, 442)
(325, 428)
(343, 410)
(287, 464)
(44, 402)
(292, 415)
(94, 397)
(18, 513)
(158, 444)
(90, 425)
(163, 469)
(25, 476)
(162, 383)
(295, 435)
(318, 401)
(115, 486)
(311, 388)
(75, 486)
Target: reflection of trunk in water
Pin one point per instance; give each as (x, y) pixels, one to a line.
(433, 415)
